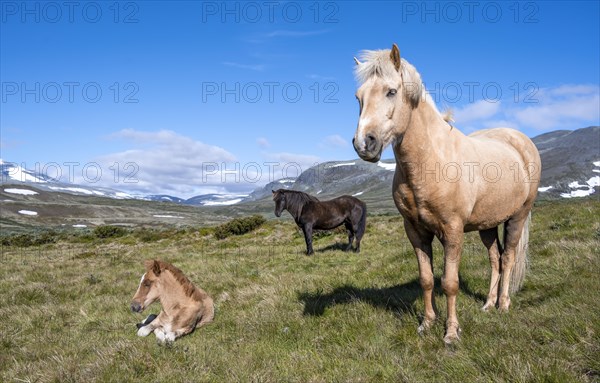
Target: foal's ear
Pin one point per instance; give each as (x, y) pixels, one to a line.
(272, 191)
(395, 56)
(152, 265)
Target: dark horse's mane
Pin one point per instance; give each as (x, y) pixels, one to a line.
(295, 200)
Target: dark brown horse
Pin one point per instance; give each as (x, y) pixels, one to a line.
(311, 214)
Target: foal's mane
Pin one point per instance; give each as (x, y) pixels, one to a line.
(379, 63)
(188, 287)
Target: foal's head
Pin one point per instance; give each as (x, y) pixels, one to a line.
(148, 291)
(390, 89)
(280, 203)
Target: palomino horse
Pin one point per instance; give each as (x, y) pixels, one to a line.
(184, 306)
(447, 183)
(311, 214)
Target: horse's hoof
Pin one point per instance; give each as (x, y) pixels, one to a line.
(424, 327)
(452, 337)
(144, 331)
(504, 304)
(488, 306)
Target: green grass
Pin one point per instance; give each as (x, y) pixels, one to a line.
(285, 317)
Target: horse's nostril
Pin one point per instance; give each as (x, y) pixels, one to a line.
(371, 142)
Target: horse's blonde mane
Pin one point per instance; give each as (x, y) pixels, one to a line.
(379, 63)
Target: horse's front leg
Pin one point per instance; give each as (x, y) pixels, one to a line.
(151, 323)
(421, 242)
(453, 243)
(307, 229)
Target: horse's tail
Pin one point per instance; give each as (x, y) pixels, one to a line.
(519, 270)
(362, 224)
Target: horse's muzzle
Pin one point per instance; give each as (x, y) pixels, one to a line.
(370, 150)
(136, 307)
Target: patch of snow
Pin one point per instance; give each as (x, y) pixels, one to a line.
(575, 185)
(596, 163)
(594, 181)
(391, 167)
(28, 212)
(319, 192)
(75, 190)
(222, 203)
(122, 195)
(578, 193)
(344, 164)
(165, 216)
(544, 189)
(286, 181)
(357, 194)
(79, 226)
(17, 173)
(21, 191)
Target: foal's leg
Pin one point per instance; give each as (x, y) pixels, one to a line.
(452, 242)
(512, 231)
(307, 230)
(489, 238)
(152, 326)
(421, 242)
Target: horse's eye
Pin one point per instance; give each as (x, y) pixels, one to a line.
(392, 92)
(147, 283)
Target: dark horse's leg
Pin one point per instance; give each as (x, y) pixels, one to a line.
(350, 230)
(307, 230)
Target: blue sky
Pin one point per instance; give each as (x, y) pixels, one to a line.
(187, 98)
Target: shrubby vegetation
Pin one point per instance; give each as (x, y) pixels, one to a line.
(239, 226)
(109, 231)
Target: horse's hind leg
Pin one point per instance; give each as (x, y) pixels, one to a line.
(489, 238)
(350, 230)
(513, 229)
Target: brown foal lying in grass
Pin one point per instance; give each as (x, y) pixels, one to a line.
(184, 306)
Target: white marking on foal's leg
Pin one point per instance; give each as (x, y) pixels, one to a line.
(170, 337)
(160, 335)
(144, 331)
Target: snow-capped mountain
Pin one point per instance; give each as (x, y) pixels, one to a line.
(13, 173)
(570, 169)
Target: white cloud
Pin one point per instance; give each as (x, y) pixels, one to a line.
(563, 107)
(334, 141)
(290, 164)
(290, 33)
(479, 110)
(166, 162)
(263, 142)
(254, 67)
(569, 110)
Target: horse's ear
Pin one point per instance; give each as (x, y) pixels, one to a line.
(356, 61)
(272, 191)
(152, 265)
(395, 56)
(156, 268)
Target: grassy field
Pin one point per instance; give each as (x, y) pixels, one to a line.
(285, 317)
